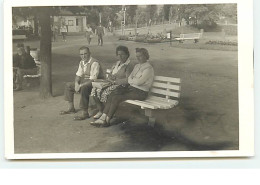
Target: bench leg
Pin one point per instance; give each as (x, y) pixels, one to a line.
(151, 121)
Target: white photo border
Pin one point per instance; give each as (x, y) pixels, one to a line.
(245, 79)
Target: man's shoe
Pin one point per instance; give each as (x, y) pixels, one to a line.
(71, 111)
(82, 117)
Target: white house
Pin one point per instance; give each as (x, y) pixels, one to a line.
(74, 23)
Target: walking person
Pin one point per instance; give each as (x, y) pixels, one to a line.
(89, 69)
(63, 31)
(54, 30)
(140, 82)
(89, 34)
(100, 33)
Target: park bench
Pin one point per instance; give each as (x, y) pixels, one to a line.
(19, 37)
(36, 77)
(164, 94)
(189, 36)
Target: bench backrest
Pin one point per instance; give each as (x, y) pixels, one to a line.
(166, 87)
(190, 35)
(19, 37)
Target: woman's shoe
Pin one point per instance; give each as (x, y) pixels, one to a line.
(98, 115)
(99, 123)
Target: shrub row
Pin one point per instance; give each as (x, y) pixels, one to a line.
(218, 42)
(141, 38)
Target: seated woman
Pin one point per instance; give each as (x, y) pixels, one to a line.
(118, 78)
(140, 82)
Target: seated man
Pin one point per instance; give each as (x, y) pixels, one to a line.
(89, 70)
(23, 64)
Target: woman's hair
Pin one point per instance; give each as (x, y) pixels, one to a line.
(143, 51)
(124, 49)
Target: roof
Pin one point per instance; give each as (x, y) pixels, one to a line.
(69, 13)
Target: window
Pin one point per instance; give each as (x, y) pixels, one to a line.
(70, 22)
(77, 22)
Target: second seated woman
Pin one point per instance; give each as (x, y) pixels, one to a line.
(140, 82)
(117, 78)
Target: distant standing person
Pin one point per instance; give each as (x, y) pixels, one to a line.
(110, 26)
(89, 34)
(63, 31)
(100, 32)
(54, 30)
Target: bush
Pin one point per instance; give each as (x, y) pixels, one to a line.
(218, 42)
(184, 29)
(153, 40)
(123, 37)
(208, 26)
(140, 38)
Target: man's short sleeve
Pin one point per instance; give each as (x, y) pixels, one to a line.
(80, 71)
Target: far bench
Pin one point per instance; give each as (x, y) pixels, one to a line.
(36, 76)
(189, 36)
(164, 94)
(19, 37)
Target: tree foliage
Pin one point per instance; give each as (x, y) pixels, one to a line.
(166, 11)
(151, 12)
(131, 11)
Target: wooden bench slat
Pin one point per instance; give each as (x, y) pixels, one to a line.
(32, 76)
(167, 79)
(162, 105)
(19, 37)
(164, 92)
(166, 86)
(153, 104)
(174, 102)
(142, 104)
(190, 36)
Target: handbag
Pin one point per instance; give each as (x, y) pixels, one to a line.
(101, 84)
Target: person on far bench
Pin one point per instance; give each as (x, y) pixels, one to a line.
(89, 70)
(23, 64)
(140, 81)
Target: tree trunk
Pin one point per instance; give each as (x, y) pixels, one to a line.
(45, 54)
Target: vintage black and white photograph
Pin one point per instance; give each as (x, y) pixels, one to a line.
(128, 79)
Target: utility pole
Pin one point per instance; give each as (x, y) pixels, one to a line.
(136, 21)
(124, 10)
(100, 17)
(170, 14)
